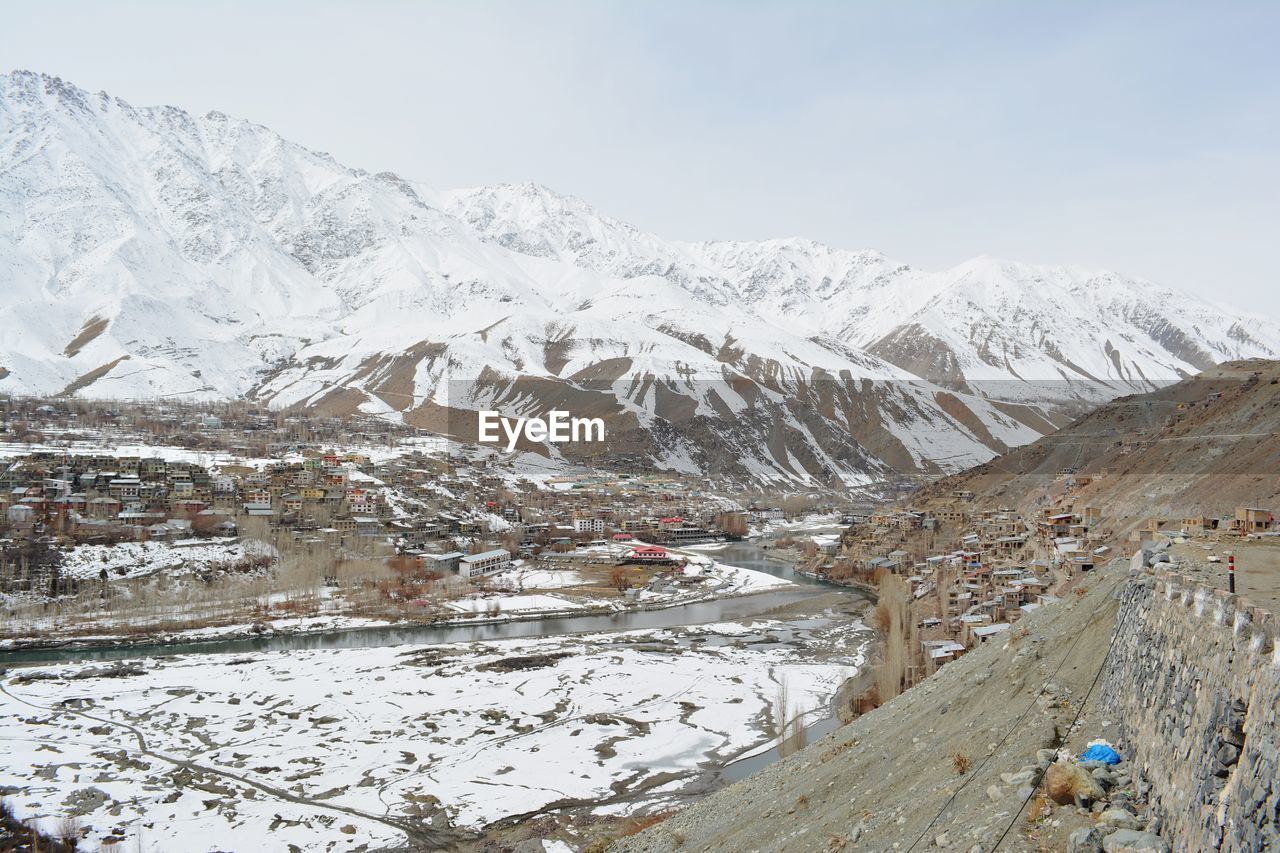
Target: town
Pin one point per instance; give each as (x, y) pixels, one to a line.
(176, 525)
(108, 515)
(969, 573)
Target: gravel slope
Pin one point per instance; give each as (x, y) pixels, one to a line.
(888, 780)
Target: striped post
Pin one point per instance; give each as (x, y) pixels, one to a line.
(1231, 573)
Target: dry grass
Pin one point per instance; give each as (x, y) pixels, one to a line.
(1041, 807)
(305, 580)
(865, 703)
(893, 617)
(636, 825)
(960, 763)
(18, 836)
(69, 832)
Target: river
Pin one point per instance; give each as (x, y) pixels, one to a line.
(747, 555)
(712, 774)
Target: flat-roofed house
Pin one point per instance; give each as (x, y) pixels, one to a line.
(1252, 519)
(484, 563)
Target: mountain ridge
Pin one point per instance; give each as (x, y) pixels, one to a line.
(150, 252)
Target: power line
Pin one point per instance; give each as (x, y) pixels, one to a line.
(1074, 720)
(1016, 724)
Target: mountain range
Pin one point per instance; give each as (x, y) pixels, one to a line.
(147, 252)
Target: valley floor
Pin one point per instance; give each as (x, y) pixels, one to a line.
(347, 748)
(258, 604)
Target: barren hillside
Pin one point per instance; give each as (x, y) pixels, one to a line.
(935, 767)
(1203, 445)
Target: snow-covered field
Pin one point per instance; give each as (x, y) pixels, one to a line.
(513, 603)
(331, 749)
(742, 580)
(541, 578)
(124, 444)
(524, 592)
(138, 559)
(810, 522)
(719, 580)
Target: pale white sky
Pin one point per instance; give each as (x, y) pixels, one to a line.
(1136, 136)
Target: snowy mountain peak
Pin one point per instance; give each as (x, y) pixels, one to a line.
(147, 251)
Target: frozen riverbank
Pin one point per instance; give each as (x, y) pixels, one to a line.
(370, 741)
(534, 601)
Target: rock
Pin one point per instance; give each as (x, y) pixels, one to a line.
(1104, 777)
(86, 800)
(1045, 757)
(1228, 754)
(1132, 841)
(1025, 776)
(1120, 819)
(1121, 801)
(1085, 840)
(530, 845)
(994, 793)
(1067, 782)
(942, 841)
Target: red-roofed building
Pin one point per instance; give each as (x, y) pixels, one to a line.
(648, 554)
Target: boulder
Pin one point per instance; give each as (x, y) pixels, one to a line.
(1026, 776)
(1067, 782)
(1120, 819)
(1085, 840)
(1104, 777)
(1133, 841)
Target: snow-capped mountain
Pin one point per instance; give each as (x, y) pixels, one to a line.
(148, 252)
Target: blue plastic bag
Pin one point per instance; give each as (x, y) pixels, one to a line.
(1100, 752)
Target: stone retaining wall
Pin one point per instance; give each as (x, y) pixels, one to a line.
(1194, 680)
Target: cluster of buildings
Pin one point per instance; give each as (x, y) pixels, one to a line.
(241, 428)
(971, 571)
(99, 497)
(975, 572)
(431, 509)
(1245, 521)
(435, 508)
(915, 542)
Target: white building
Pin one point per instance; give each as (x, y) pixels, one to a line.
(21, 515)
(588, 525)
(443, 563)
(484, 563)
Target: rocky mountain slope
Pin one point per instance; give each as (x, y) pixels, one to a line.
(942, 766)
(1201, 446)
(1175, 673)
(149, 252)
